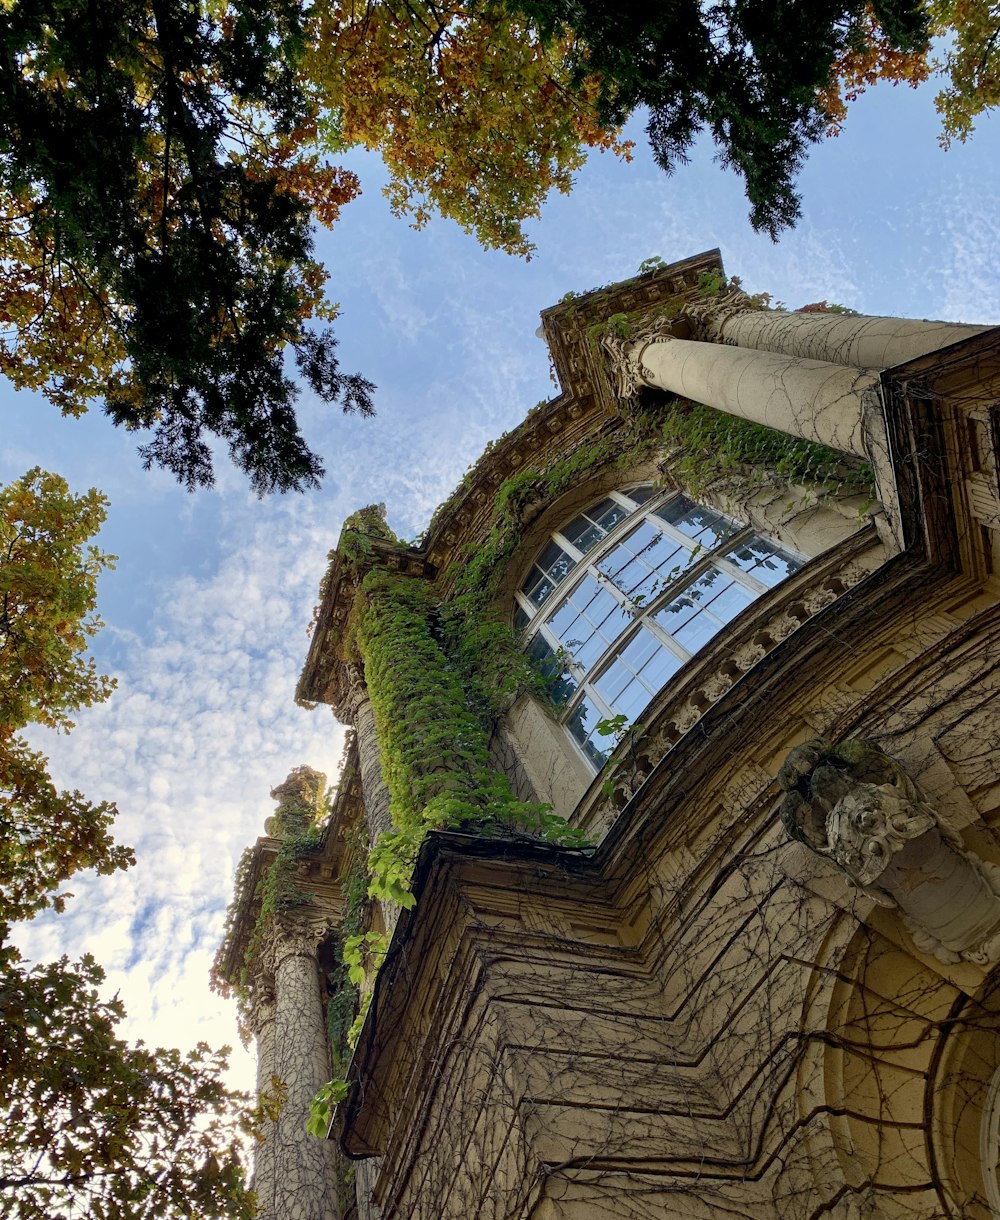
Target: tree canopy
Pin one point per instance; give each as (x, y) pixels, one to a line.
(970, 30)
(156, 194)
(162, 162)
(476, 114)
(92, 1126)
(89, 1125)
(749, 72)
(48, 592)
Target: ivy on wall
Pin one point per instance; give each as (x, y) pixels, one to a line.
(435, 749)
(706, 446)
(441, 661)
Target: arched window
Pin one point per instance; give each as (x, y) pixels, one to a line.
(629, 590)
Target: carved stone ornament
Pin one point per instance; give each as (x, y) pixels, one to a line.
(262, 1003)
(296, 933)
(625, 352)
(710, 313)
(352, 693)
(855, 805)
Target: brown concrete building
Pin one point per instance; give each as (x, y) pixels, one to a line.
(754, 972)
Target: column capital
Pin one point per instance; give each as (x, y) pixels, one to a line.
(708, 315)
(624, 351)
(294, 933)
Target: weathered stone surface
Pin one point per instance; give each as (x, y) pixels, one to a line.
(699, 1018)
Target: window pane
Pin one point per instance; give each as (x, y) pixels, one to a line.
(563, 620)
(613, 681)
(704, 608)
(582, 724)
(580, 526)
(704, 525)
(638, 673)
(556, 562)
(588, 621)
(551, 568)
(521, 619)
(593, 525)
(601, 608)
(644, 562)
(541, 588)
(763, 560)
(608, 513)
(589, 537)
(662, 665)
(641, 494)
(559, 682)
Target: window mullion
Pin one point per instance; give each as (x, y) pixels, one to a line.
(664, 637)
(588, 691)
(526, 604)
(568, 547)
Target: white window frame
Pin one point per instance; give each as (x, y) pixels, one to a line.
(642, 613)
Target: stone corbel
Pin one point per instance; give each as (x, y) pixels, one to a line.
(856, 806)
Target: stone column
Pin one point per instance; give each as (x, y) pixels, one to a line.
(301, 1167)
(262, 1023)
(856, 340)
(813, 399)
(365, 1176)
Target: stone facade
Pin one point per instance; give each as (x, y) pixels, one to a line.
(771, 986)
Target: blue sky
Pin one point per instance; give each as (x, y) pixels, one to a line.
(207, 611)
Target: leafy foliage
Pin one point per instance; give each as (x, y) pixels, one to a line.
(88, 1124)
(709, 445)
(749, 73)
(473, 113)
(435, 753)
(92, 1126)
(971, 65)
(48, 592)
(156, 190)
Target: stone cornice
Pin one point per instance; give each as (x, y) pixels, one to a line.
(569, 327)
(324, 671)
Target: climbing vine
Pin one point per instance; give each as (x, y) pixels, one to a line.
(707, 445)
(441, 661)
(342, 979)
(435, 750)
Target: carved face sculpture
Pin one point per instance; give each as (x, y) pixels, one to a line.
(870, 824)
(858, 834)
